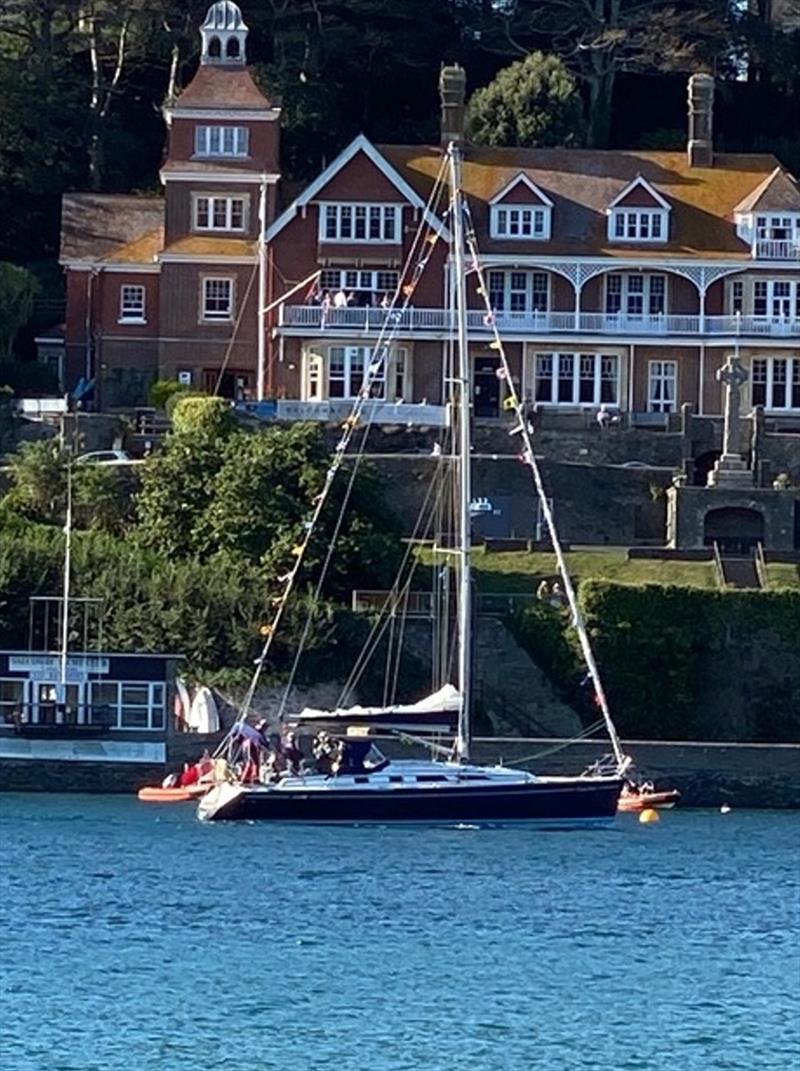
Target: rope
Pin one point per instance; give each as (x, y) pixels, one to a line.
(513, 404)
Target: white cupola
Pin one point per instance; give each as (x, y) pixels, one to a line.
(223, 35)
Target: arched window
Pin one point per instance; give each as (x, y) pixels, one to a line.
(214, 48)
(232, 48)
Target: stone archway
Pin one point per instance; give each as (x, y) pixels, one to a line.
(735, 529)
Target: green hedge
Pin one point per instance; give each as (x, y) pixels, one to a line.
(683, 663)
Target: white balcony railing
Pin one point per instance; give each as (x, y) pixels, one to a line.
(777, 249)
(417, 414)
(440, 321)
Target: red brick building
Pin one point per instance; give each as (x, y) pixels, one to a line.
(622, 278)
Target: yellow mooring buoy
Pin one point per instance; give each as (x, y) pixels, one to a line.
(648, 816)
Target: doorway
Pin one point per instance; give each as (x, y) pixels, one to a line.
(486, 388)
(230, 384)
(735, 530)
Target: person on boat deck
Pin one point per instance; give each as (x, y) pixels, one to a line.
(292, 753)
(325, 752)
(543, 592)
(189, 776)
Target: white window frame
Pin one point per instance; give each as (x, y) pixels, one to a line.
(504, 298)
(662, 386)
(130, 311)
(520, 222)
(222, 141)
(341, 221)
(637, 225)
(216, 316)
(356, 361)
(358, 280)
(568, 376)
(211, 206)
(766, 223)
(629, 292)
(774, 301)
(779, 375)
(155, 706)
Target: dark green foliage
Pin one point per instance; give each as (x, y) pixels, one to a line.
(18, 288)
(534, 103)
(686, 663)
(164, 389)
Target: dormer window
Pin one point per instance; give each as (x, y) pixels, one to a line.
(638, 214)
(221, 141)
(520, 221)
(639, 225)
(359, 223)
(520, 211)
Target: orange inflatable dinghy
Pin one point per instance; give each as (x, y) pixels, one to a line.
(157, 794)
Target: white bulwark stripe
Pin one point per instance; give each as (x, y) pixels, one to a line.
(104, 751)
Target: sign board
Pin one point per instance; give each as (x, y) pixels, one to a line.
(48, 667)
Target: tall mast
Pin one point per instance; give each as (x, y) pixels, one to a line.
(462, 415)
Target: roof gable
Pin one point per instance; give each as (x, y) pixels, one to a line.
(639, 194)
(361, 144)
(522, 190)
(778, 192)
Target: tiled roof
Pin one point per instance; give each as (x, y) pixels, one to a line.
(213, 247)
(582, 183)
(143, 250)
(778, 192)
(95, 226)
(223, 87)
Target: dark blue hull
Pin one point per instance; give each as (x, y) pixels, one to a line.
(563, 802)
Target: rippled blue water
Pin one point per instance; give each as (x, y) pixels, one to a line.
(135, 938)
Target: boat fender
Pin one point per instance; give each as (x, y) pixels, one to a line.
(649, 816)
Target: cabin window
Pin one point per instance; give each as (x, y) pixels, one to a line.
(359, 223)
(396, 780)
(430, 778)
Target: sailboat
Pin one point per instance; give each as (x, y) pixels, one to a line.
(364, 787)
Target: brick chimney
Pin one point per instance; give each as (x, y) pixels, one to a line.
(700, 147)
(452, 91)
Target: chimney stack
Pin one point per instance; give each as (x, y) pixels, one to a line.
(700, 148)
(452, 91)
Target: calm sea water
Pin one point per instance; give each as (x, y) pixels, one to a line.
(135, 938)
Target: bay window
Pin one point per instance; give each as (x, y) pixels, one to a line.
(352, 222)
(576, 378)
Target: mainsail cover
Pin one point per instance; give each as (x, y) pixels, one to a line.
(438, 710)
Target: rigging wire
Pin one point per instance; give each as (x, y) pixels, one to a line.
(513, 403)
(376, 371)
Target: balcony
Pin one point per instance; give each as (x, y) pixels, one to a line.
(777, 249)
(439, 323)
(416, 414)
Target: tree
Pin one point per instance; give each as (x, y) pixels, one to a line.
(18, 289)
(202, 415)
(534, 103)
(598, 39)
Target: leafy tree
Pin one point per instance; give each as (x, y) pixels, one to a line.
(598, 39)
(534, 102)
(18, 289)
(202, 415)
(162, 390)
